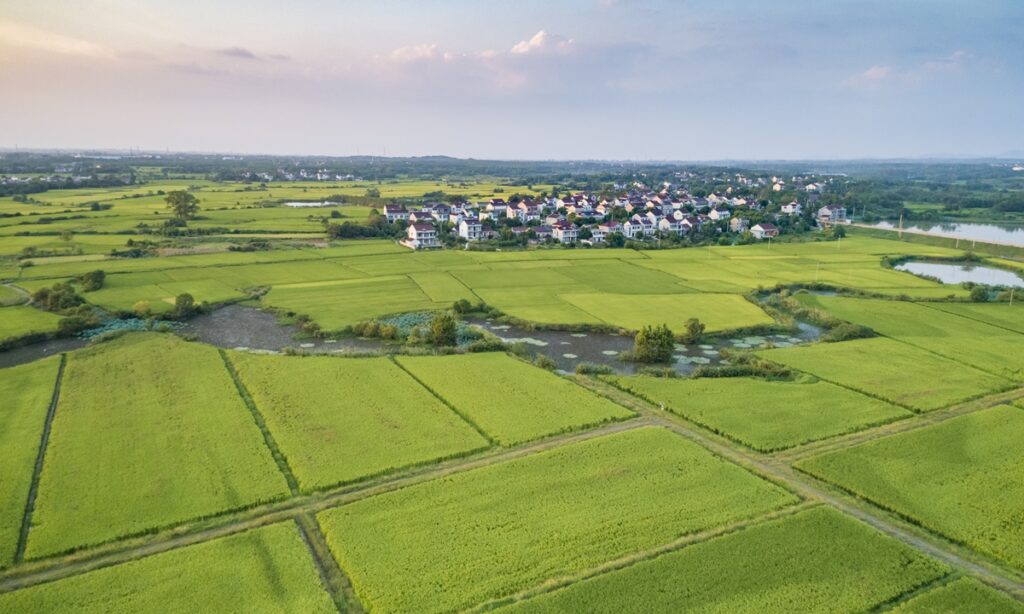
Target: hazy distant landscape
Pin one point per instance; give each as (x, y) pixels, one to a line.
(589, 306)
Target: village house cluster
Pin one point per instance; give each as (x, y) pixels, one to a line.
(586, 219)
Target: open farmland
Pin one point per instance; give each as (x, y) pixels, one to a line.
(149, 431)
(970, 341)
(891, 370)
(508, 399)
(963, 478)
(261, 570)
(26, 392)
(340, 419)
(19, 320)
(805, 562)
(963, 595)
(763, 414)
(997, 314)
(486, 533)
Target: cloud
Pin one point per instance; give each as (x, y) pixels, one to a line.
(871, 78)
(27, 37)
(542, 42)
(236, 52)
(954, 62)
(877, 76)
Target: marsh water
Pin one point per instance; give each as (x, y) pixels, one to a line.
(1004, 234)
(569, 349)
(960, 273)
(249, 328)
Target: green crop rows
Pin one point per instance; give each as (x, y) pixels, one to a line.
(802, 563)
(765, 415)
(149, 431)
(486, 533)
(510, 400)
(963, 478)
(340, 419)
(963, 595)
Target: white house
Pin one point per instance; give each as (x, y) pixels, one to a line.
(792, 208)
(719, 214)
(396, 213)
(421, 236)
(764, 230)
(564, 232)
(832, 214)
(470, 229)
(632, 227)
(739, 224)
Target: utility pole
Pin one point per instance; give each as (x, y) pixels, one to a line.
(900, 233)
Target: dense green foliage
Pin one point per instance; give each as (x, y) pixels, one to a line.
(91, 281)
(261, 570)
(891, 370)
(653, 344)
(963, 478)
(149, 431)
(815, 561)
(963, 595)
(508, 399)
(25, 391)
(763, 414)
(486, 533)
(340, 419)
(184, 205)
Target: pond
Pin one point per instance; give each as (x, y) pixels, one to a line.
(960, 273)
(299, 204)
(1002, 234)
(569, 349)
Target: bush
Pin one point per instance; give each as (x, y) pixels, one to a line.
(184, 306)
(544, 362)
(462, 306)
(657, 372)
(589, 368)
(653, 344)
(57, 298)
(694, 331)
(979, 294)
(141, 309)
(444, 330)
(846, 331)
(92, 280)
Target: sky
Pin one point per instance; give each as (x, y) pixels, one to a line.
(529, 79)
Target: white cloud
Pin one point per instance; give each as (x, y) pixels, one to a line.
(543, 42)
(18, 35)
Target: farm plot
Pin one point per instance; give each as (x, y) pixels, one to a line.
(891, 370)
(26, 391)
(990, 348)
(262, 570)
(963, 478)
(510, 400)
(486, 533)
(765, 415)
(997, 314)
(718, 312)
(149, 432)
(441, 287)
(815, 561)
(20, 320)
(340, 419)
(963, 595)
(336, 304)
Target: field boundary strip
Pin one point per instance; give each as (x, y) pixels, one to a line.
(445, 401)
(30, 503)
(951, 552)
(633, 558)
(261, 423)
(335, 582)
(905, 425)
(898, 600)
(971, 318)
(201, 530)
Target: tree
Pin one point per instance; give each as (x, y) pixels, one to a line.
(141, 309)
(979, 294)
(183, 204)
(694, 330)
(838, 232)
(66, 236)
(184, 305)
(443, 329)
(653, 344)
(92, 280)
(372, 193)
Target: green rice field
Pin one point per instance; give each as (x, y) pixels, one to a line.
(486, 533)
(891, 370)
(149, 432)
(963, 478)
(26, 391)
(801, 563)
(340, 419)
(20, 320)
(531, 403)
(963, 595)
(763, 414)
(261, 570)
